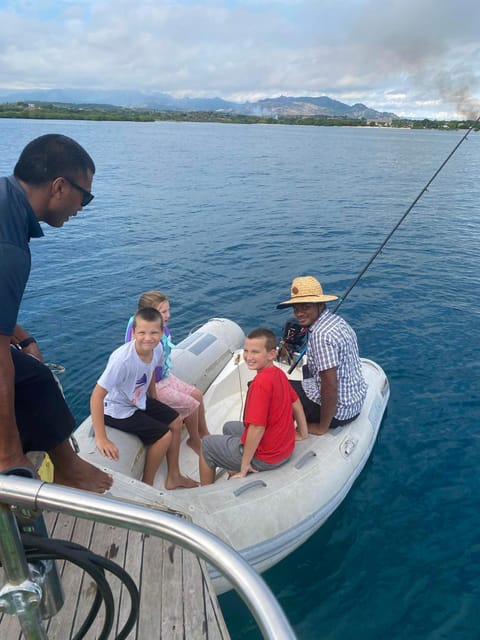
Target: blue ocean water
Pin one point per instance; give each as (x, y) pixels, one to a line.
(222, 217)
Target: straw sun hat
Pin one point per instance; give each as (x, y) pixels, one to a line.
(306, 289)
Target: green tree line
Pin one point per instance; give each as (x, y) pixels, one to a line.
(49, 111)
(62, 111)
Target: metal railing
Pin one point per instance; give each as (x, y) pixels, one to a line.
(34, 494)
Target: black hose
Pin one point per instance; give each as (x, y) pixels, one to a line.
(43, 549)
(39, 548)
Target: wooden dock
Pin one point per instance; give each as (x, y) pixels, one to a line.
(177, 600)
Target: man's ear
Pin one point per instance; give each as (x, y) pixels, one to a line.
(57, 188)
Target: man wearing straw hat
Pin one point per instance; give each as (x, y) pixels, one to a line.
(333, 393)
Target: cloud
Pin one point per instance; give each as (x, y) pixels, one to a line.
(401, 55)
(429, 47)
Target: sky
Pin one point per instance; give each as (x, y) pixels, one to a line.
(416, 58)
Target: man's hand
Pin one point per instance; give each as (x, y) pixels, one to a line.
(20, 335)
(33, 350)
(301, 433)
(328, 400)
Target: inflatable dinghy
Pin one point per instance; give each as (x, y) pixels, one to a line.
(267, 515)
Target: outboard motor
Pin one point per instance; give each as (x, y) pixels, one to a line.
(293, 340)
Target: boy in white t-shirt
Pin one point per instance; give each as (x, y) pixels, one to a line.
(125, 398)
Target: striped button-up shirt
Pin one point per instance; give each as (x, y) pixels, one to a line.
(332, 343)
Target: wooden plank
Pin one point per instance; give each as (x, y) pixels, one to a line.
(133, 566)
(62, 527)
(193, 594)
(172, 593)
(109, 542)
(217, 629)
(66, 622)
(151, 604)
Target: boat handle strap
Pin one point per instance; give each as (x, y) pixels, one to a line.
(304, 458)
(247, 487)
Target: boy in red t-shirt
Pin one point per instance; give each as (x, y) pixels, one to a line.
(266, 437)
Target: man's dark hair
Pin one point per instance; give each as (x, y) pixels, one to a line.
(270, 337)
(149, 314)
(51, 156)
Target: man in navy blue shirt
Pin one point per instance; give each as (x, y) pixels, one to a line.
(51, 182)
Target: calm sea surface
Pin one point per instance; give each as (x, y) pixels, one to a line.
(222, 217)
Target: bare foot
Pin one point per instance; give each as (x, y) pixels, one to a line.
(180, 482)
(72, 471)
(84, 476)
(195, 445)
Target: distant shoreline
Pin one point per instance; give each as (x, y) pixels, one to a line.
(109, 113)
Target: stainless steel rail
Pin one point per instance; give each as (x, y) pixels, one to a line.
(35, 494)
(20, 596)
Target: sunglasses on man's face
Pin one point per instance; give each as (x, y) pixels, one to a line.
(87, 196)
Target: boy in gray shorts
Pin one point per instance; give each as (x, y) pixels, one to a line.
(266, 437)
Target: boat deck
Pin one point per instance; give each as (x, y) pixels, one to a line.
(177, 599)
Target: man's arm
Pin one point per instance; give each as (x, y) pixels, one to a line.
(254, 435)
(104, 445)
(328, 397)
(328, 401)
(300, 419)
(11, 451)
(32, 348)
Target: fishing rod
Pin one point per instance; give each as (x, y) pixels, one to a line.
(387, 238)
(389, 235)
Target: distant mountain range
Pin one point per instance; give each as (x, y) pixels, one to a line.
(284, 106)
